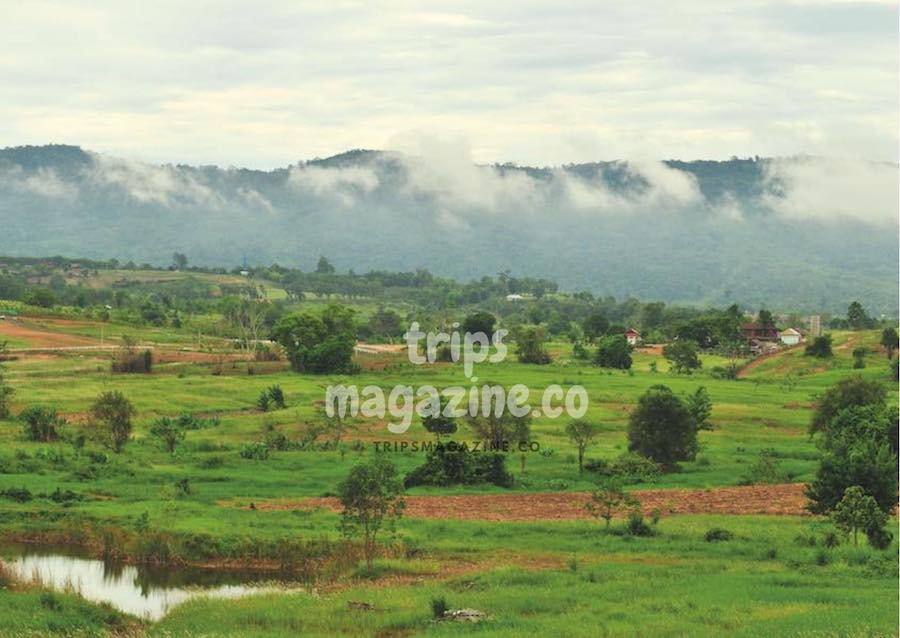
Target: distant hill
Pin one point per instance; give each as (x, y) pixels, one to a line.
(799, 234)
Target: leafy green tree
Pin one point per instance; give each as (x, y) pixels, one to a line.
(113, 412)
(700, 406)
(42, 424)
(319, 344)
(608, 499)
(859, 357)
(371, 497)
(857, 318)
(169, 431)
(614, 351)
(385, 324)
(530, 345)
(179, 261)
(683, 356)
(324, 267)
(820, 347)
(595, 326)
(500, 430)
(440, 424)
(856, 512)
(849, 392)
(479, 321)
(889, 340)
(662, 428)
(582, 434)
(859, 448)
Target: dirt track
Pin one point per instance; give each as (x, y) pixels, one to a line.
(783, 499)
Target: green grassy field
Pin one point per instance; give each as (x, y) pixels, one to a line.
(775, 577)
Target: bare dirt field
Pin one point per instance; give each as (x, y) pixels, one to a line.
(783, 499)
(38, 337)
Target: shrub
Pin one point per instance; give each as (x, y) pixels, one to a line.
(764, 470)
(128, 360)
(257, 451)
(272, 398)
(636, 526)
(41, 424)
(454, 465)
(439, 607)
(19, 495)
(716, 534)
(820, 347)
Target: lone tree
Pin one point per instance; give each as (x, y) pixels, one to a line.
(319, 344)
(856, 512)
(614, 351)
(169, 431)
(683, 356)
(662, 428)
(857, 316)
(582, 434)
(113, 411)
(372, 497)
(609, 498)
(700, 406)
(530, 345)
(889, 339)
(820, 347)
(179, 261)
(440, 424)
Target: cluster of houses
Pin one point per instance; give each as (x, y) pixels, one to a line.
(760, 338)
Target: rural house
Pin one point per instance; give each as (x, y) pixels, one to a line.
(790, 337)
(632, 336)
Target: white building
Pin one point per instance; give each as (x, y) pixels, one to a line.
(789, 337)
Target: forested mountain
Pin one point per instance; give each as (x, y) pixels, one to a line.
(797, 233)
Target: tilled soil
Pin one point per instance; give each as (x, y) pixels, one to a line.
(783, 499)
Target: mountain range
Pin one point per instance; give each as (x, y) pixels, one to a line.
(800, 234)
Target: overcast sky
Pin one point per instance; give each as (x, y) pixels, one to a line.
(265, 83)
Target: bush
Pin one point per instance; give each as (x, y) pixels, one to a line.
(663, 428)
(636, 526)
(128, 360)
(272, 398)
(628, 468)
(820, 347)
(439, 607)
(258, 451)
(42, 424)
(453, 465)
(19, 495)
(716, 534)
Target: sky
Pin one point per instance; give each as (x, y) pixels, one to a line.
(265, 84)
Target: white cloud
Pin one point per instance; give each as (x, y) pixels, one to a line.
(834, 188)
(345, 184)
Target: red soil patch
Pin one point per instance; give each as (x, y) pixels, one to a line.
(784, 499)
(37, 337)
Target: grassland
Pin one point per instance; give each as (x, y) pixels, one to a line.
(775, 577)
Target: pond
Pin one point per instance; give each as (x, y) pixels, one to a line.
(146, 592)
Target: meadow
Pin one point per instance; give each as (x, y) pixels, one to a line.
(775, 575)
